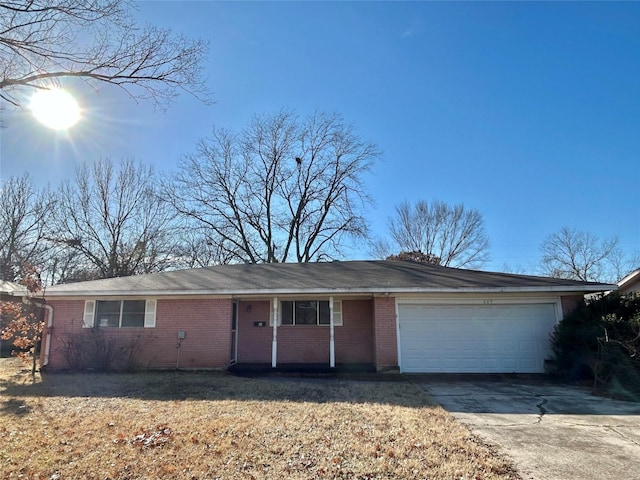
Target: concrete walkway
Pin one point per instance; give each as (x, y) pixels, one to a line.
(550, 431)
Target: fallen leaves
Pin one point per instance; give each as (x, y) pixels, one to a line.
(153, 438)
(157, 436)
(83, 426)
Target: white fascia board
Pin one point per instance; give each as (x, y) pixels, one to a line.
(130, 294)
(22, 292)
(629, 278)
(329, 291)
(554, 289)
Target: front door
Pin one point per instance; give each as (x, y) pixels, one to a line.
(234, 333)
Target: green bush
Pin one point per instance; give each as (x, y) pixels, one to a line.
(600, 340)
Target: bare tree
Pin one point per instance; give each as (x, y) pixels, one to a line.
(64, 265)
(112, 218)
(622, 264)
(44, 41)
(453, 234)
(579, 255)
(23, 221)
(198, 248)
(282, 189)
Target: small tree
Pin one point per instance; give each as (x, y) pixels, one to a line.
(25, 320)
(600, 340)
(417, 257)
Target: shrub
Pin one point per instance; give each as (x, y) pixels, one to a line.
(96, 350)
(600, 340)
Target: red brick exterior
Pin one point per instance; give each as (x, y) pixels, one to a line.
(305, 343)
(354, 340)
(70, 314)
(368, 334)
(206, 322)
(384, 329)
(570, 303)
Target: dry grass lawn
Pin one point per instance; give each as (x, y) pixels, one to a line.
(167, 425)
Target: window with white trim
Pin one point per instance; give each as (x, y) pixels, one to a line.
(119, 313)
(309, 312)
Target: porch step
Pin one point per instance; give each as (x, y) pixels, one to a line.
(300, 368)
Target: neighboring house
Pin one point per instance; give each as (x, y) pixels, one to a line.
(630, 283)
(385, 314)
(9, 292)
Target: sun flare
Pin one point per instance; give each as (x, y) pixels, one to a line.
(55, 108)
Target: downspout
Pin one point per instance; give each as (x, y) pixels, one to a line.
(47, 346)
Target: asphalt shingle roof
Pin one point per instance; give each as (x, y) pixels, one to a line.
(331, 277)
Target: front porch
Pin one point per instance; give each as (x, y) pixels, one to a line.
(343, 345)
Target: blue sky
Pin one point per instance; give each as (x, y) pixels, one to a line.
(528, 112)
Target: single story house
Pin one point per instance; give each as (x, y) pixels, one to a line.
(391, 315)
(630, 283)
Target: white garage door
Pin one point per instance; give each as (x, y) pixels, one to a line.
(475, 338)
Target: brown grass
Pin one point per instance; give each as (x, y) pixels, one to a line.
(216, 426)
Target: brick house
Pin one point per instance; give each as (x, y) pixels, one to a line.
(388, 315)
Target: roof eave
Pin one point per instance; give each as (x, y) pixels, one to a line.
(629, 279)
(336, 291)
(17, 293)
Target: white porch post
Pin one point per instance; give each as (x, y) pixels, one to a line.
(332, 347)
(274, 343)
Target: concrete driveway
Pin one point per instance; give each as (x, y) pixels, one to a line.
(550, 431)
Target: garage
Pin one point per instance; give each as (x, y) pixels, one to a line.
(512, 338)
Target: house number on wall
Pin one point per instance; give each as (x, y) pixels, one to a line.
(487, 302)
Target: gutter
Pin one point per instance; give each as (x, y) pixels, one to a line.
(334, 291)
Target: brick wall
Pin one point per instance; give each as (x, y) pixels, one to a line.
(306, 343)
(569, 303)
(354, 340)
(384, 330)
(206, 322)
(303, 344)
(67, 319)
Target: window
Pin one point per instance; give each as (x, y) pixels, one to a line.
(119, 313)
(309, 312)
(107, 314)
